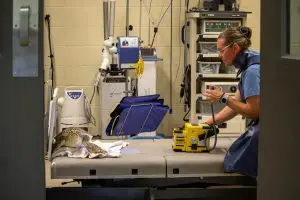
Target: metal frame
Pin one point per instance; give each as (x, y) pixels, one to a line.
(222, 193)
(279, 116)
(192, 50)
(22, 107)
(160, 188)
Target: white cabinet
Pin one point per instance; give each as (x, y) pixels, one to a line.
(206, 67)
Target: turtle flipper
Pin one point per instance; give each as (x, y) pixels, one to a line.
(92, 148)
(59, 141)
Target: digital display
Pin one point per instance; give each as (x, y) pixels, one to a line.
(129, 42)
(74, 95)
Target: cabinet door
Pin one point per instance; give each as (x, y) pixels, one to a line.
(21, 122)
(279, 140)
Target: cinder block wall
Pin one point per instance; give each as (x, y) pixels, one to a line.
(77, 31)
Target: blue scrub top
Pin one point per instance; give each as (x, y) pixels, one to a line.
(250, 80)
(242, 155)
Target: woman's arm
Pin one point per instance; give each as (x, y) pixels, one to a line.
(250, 109)
(226, 113)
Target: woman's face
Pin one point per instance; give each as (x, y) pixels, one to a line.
(227, 52)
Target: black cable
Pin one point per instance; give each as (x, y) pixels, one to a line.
(183, 91)
(184, 117)
(93, 95)
(187, 5)
(214, 129)
(155, 31)
(47, 19)
(160, 20)
(187, 83)
(213, 113)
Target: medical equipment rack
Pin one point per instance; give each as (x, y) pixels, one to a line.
(201, 32)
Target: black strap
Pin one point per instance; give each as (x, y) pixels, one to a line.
(51, 56)
(255, 59)
(253, 122)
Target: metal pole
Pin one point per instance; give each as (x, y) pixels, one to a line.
(185, 37)
(193, 63)
(171, 61)
(127, 17)
(105, 17)
(112, 18)
(149, 32)
(140, 34)
(185, 59)
(112, 26)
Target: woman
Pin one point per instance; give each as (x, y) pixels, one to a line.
(233, 46)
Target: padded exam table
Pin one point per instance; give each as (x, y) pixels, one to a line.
(153, 164)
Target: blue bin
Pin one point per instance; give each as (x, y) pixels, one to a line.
(135, 115)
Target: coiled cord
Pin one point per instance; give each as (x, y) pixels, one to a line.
(215, 131)
(139, 68)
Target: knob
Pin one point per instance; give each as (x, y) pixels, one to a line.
(233, 89)
(130, 27)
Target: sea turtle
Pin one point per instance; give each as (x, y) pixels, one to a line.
(74, 137)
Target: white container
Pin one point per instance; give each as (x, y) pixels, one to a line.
(208, 48)
(209, 67)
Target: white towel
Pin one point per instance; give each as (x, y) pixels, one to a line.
(113, 150)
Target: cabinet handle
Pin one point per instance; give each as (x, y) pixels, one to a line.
(182, 34)
(24, 26)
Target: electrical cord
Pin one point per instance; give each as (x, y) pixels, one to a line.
(185, 91)
(179, 44)
(164, 13)
(184, 117)
(155, 32)
(88, 111)
(214, 129)
(149, 22)
(94, 90)
(158, 24)
(148, 10)
(51, 56)
(187, 5)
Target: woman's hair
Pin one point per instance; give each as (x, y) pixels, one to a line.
(239, 35)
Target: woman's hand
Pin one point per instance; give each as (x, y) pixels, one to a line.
(213, 95)
(210, 121)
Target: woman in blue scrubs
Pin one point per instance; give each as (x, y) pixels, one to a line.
(233, 46)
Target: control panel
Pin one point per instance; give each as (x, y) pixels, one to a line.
(75, 94)
(218, 26)
(227, 87)
(129, 42)
(128, 49)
